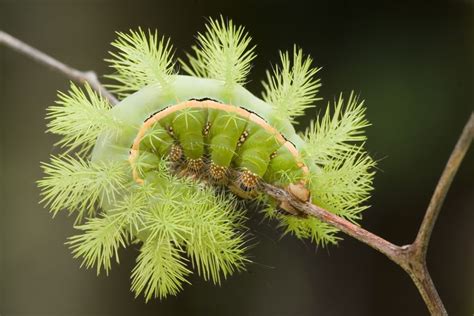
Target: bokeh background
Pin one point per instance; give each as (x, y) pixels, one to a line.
(412, 61)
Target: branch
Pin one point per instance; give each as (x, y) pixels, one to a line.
(401, 255)
(412, 257)
(42, 58)
(357, 232)
(452, 166)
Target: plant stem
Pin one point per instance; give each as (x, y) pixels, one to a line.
(415, 266)
(411, 258)
(423, 238)
(357, 232)
(42, 58)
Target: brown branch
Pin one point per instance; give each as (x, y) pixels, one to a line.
(42, 58)
(412, 258)
(423, 238)
(368, 238)
(401, 255)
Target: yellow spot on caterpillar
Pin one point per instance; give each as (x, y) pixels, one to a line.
(247, 180)
(218, 173)
(242, 138)
(205, 132)
(176, 153)
(195, 165)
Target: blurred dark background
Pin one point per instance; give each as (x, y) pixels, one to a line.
(413, 63)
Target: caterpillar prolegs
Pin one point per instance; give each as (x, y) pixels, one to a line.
(150, 170)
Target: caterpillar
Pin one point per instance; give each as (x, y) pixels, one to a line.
(235, 146)
(167, 166)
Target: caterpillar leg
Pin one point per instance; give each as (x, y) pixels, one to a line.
(245, 184)
(218, 174)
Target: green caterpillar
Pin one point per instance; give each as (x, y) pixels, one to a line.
(234, 138)
(162, 167)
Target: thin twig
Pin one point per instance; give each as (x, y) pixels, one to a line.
(401, 255)
(452, 166)
(412, 257)
(42, 58)
(368, 238)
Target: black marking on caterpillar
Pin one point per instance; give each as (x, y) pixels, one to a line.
(204, 99)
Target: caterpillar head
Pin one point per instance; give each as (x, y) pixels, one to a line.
(167, 165)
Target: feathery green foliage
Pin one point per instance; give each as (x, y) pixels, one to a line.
(343, 176)
(160, 270)
(103, 236)
(167, 221)
(130, 210)
(80, 117)
(193, 220)
(344, 184)
(78, 185)
(100, 241)
(142, 59)
(337, 133)
(174, 217)
(222, 53)
(302, 228)
(293, 86)
(215, 247)
(342, 172)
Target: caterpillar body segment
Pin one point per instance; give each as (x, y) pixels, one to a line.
(134, 109)
(157, 140)
(185, 124)
(215, 137)
(256, 151)
(222, 146)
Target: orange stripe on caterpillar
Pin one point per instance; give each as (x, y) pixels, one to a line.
(298, 189)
